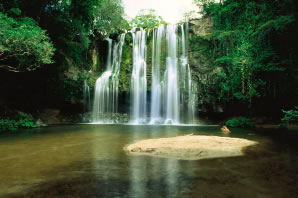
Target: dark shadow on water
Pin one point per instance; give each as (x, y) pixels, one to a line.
(93, 184)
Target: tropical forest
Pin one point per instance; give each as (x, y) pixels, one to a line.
(148, 98)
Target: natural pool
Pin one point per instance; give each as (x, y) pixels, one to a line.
(89, 161)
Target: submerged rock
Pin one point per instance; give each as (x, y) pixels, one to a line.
(191, 147)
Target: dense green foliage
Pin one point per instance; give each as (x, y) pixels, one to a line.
(147, 19)
(8, 125)
(126, 65)
(24, 46)
(240, 122)
(20, 120)
(290, 116)
(74, 24)
(71, 24)
(254, 42)
(29, 33)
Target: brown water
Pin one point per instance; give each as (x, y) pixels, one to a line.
(88, 161)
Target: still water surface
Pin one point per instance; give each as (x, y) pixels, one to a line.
(88, 161)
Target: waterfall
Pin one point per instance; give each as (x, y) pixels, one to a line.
(171, 78)
(173, 93)
(107, 85)
(192, 98)
(86, 96)
(156, 90)
(138, 85)
(189, 95)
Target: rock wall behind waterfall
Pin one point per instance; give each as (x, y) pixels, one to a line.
(202, 63)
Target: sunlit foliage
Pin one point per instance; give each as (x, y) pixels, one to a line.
(147, 19)
(24, 46)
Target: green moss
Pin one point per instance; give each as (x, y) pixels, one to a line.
(126, 66)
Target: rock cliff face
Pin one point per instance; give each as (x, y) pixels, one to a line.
(202, 63)
(200, 30)
(201, 27)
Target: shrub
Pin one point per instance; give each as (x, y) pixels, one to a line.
(8, 125)
(20, 120)
(240, 122)
(26, 123)
(290, 116)
(25, 120)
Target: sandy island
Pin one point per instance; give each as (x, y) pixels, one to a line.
(191, 147)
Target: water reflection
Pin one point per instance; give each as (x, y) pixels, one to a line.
(164, 172)
(89, 161)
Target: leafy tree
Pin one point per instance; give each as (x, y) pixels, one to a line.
(24, 46)
(106, 23)
(72, 24)
(205, 5)
(254, 42)
(80, 23)
(147, 19)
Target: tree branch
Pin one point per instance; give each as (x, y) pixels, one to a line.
(9, 68)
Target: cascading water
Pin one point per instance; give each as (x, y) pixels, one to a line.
(156, 90)
(173, 93)
(192, 98)
(138, 85)
(106, 91)
(172, 90)
(86, 96)
(189, 94)
(171, 78)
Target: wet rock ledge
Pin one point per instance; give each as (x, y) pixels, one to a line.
(191, 147)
